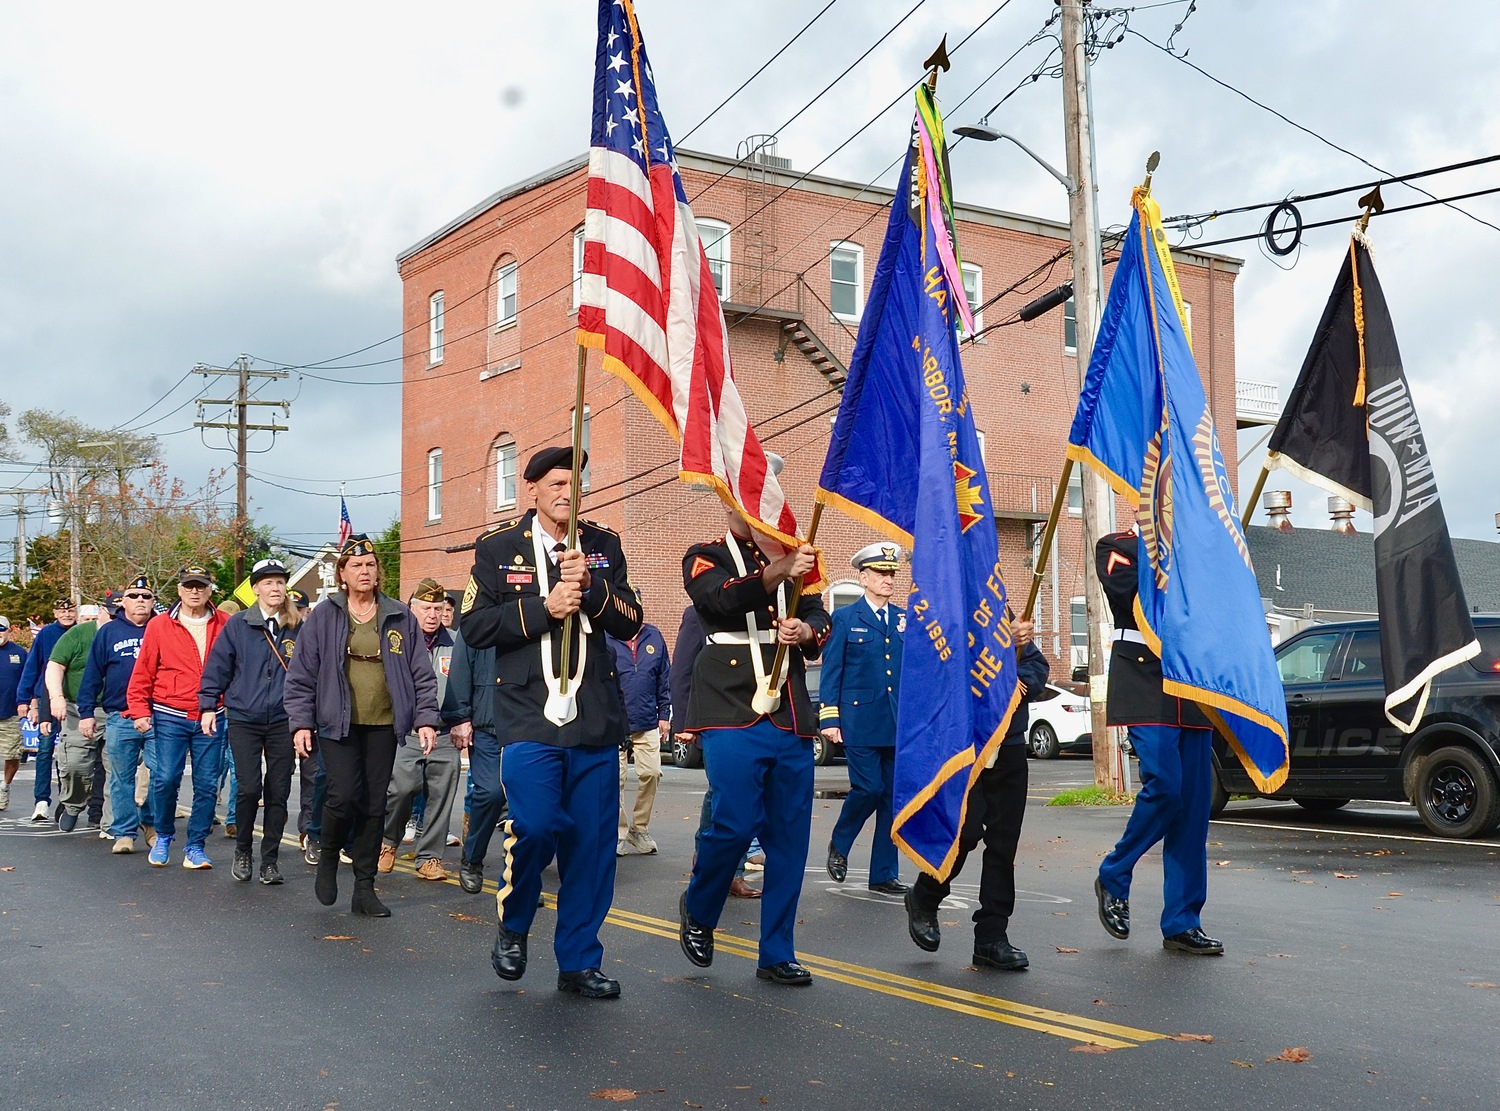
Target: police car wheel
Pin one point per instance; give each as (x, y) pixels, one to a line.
(1043, 741)
(1218, 797)
(822, 750)
(1456, 793)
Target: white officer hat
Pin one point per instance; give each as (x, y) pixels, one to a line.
(880, 556)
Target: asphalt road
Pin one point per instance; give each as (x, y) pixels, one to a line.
(1354, 936)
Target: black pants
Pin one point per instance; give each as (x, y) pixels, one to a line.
(997, 803)
(96, 788)
(251, 743)
(358, 771)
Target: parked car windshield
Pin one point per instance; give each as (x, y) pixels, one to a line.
(1306, 660)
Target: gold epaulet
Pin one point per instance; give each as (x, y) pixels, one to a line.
(601, 528)
(498, 529)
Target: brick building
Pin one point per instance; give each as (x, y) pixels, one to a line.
(489, 310)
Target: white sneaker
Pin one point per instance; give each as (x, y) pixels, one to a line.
(43, 812)
(454, 839)
(622, 847)
(642, 843)
(410, 834)
(4, 796)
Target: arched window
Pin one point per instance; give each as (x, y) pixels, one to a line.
(505, 472)
(506, 303)
(714, 235)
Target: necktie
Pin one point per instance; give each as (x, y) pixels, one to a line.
(885, 621)
(271, 627)
(557, 551)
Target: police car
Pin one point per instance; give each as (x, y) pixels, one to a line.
(1343, 747)
(1059, 723)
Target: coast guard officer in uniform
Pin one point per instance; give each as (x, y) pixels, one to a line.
(560, 752)
(1173, 739)
(759, 764)
(860, 683)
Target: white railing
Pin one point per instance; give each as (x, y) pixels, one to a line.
(1257, 401)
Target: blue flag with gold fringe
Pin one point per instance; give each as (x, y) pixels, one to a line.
(905, 459)
(1144, 423)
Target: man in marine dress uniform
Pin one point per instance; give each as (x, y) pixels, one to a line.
(1173, 740)
(560, 758)
(861, 671)
(760, 765)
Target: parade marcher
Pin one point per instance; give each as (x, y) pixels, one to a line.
(32, 700)
(996, 805)
(760, 766)
(471, 682)
(82, 788)
(360, 680)
(433, 770)
(1173, 740)
(246, 673)
(645, 684)
(560, 752)
(163, 696)
(312, 783)
(106, 682)
(859, 691)
(12, 665)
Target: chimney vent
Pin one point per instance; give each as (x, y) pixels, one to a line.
(1279, 508)
(1342, 514)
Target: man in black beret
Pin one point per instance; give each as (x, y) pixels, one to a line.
(559, 761)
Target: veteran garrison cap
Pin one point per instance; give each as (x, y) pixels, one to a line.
(882, 556)
(299, 599)
(140, 582)
(357, 545)
(429, 590)
(551, 459)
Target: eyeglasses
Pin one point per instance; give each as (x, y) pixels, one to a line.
(139, 597)
(193, 586)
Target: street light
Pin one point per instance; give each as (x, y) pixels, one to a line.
(987, 134)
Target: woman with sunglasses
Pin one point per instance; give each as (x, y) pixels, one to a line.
(361, 678)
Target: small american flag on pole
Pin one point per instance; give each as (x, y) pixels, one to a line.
(647, 297)
(346, 526)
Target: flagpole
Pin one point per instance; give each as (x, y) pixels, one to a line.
(577, 482)
(774, 680)
(1045, 551)
(1260, 484)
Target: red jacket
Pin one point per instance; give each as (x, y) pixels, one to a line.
(169, 669)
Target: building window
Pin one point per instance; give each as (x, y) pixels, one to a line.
(435, 484)
(577, 267)
(846, 280)
(505, 474)
(1079, 640)
(1187, 320)
(583, 477)
(1070, 326)
(505, 294)
(1075, 490)
(974, 292)
(435, 328)
(714, 235)
(845, 593)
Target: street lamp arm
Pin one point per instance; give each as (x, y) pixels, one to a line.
(1067, 182)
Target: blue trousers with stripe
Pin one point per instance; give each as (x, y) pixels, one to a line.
(564, 802)
(762, 780)
(1172, 807)
(872, 781)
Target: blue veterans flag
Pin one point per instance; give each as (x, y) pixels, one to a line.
(1143, 422)
(905, 404)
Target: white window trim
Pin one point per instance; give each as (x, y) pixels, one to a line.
(435, 484)
(577, 268)
(436, 320)
(845, 588)
(511, 269)
(1070, 349)
(978, 272)
(501, 501)
(859, 278)
(723, 243)
(1075, 475)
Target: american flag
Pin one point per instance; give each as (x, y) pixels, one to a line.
(346, 526)
(647, 298)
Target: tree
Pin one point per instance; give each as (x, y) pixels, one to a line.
(388, 552)
(97, 453)
(5, 442)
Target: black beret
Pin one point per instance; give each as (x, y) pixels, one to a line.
(551, 459)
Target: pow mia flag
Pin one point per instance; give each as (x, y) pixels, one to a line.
(1350, 427)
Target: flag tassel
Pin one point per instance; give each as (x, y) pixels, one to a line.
(1044, 552)
(767, 701)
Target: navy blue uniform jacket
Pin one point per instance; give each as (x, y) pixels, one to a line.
(645, 679)
(247, 671)
(861, 675)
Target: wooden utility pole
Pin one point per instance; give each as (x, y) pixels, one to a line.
(1083, 228)
(242, 428)
(20, 496)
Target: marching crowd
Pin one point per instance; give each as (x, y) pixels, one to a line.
(551, 682)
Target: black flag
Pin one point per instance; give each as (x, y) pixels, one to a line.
(1350, 427)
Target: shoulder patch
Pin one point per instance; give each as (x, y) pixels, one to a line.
(1116, 559)
(498, 529)
(470, 593)
(700, 565)
(601, 528)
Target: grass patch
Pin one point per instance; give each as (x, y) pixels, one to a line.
(1093, 795)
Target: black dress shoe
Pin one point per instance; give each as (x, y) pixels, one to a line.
(787, 972)
(590, 983)
(470, 876)
(890, 887)
(1113, 913)
(1194, 941)
(838, 864)
(508, 957)
(999, 954)
(922, 925)
(697, 939)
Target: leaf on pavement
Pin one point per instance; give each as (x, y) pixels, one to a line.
(1089, 1047)
(1346, 875)
(8, 868)
(1064, 949)
(1283, 956)
(337, 937)
(1242, 1064)
(1393, 895)
(1191, 1037)
(1297, 1055)
(1221, 864)
(463, 917)
(1482, 984)
(614, 1095)
(1102, 1003)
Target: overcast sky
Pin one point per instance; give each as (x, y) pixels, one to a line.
(186, 182)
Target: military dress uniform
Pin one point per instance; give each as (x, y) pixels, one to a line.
(560, 780)
(760, 766)
(1173, 740)
(859, 689)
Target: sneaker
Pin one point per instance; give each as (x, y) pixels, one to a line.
(105, 835)
(387, 858)
(124, 846)
(312, 853)
(242, 865)
(411, 833)
(4, 796)
(159, 850)
(432, 869)
(92, 822)
(148, 835)
(756, 862)
(344, 857)
(67, 821)
(43, 812)
(642, 842)
(269, 873)
(622, 847)
(454, 840)
(195, 858)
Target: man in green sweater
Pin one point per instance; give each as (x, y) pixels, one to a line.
(76, 754)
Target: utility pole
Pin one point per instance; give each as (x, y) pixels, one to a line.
(241, 403)
(75, 556)
(1083, 228)
(20, 496)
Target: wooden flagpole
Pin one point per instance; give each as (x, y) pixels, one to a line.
(1059, 499)
(577, 482)
(775, 679)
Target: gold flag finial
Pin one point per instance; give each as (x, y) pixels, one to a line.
(938, 60)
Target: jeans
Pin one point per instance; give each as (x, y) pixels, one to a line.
(251, 742)
(175, 737)
(486, 804)
(228, 771)
(44, 746)
(125, 749)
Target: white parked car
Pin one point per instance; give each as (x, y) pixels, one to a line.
(1059, 722)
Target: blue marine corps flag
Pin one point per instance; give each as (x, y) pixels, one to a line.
(904, 407)
(1144, 424)
(1350, 427)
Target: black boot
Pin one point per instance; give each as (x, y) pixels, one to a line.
(366, 854)
(326, 886)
